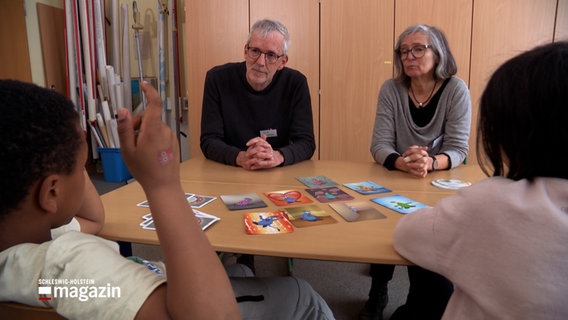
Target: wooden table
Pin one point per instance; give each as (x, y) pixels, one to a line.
(364, 241)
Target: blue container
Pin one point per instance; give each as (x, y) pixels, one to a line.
(114, 168)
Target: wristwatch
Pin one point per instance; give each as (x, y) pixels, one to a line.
(434, 163)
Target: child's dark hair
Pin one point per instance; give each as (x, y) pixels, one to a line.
(522, 116)
(39, 135)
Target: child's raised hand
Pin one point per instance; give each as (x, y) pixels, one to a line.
(149, 147)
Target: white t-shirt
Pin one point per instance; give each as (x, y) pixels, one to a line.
(76, 266)
(72, 225)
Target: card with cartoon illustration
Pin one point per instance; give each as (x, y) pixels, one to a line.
(308, 216)
(267, 222)
(205, 219)
(366, 187)
(287, 197)
(317, 181)
(330, 194)
(399, 203)
(199, 201)
(357, 211)
(243, 201)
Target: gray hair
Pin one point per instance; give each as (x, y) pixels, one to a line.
(264, 27)
(445, 63)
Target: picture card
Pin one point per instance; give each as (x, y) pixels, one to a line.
(330, 194)
(357, 211)
(243, 201)
(399, 203)
(205, 220)
(317, 181)
(308, 216)
(188, 196)
(287, 197)
(148, 224)
(267, 222)
(452, 184)
(366, 187)
(199, 201)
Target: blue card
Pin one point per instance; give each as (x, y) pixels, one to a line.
(366, 187)
(399, 203)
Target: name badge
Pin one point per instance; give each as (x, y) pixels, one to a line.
(269, 133)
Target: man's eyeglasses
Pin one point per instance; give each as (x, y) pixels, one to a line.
(270, 57)
(417, 51)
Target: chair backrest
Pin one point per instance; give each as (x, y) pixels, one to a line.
(13, 310)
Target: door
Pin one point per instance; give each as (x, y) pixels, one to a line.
(216, 32)
(14, 56)
(52, 35)
(301, 19)
(502, 29)
(356, 58)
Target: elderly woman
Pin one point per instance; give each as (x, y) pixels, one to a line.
(422, 124)
(424, 113)
(505, 249)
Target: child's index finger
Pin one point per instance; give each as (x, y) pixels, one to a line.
(154, 107)
(152, 95)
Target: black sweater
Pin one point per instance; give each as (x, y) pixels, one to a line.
(234, 113)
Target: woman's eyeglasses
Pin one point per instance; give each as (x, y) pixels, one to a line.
(416, 51)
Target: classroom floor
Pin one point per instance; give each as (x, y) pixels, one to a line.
(343, 285)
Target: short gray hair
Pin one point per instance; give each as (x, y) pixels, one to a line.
(264, 27)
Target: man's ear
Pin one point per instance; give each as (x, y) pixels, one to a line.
(284, 60)
(49, 192)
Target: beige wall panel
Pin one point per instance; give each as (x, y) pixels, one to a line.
(15, 61)
(453, 17)
(561, 32)
(301, 17)
(52, 31)
(502, 29)
(356, 58)
(215, 33)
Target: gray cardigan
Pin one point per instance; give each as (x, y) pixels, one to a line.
(448, 131)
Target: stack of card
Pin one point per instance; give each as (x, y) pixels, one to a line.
(324, 189)
(452, 184)
(205, 220)
(196, 201)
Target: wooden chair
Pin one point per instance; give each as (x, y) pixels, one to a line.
(16, 311)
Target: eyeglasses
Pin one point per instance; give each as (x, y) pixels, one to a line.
(270, 57)
(417, 51)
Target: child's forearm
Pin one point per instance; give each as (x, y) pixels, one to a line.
(191, 263)
(91, 214)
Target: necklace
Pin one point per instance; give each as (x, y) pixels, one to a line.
(421, 104)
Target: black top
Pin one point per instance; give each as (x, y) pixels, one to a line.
(233, 113)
